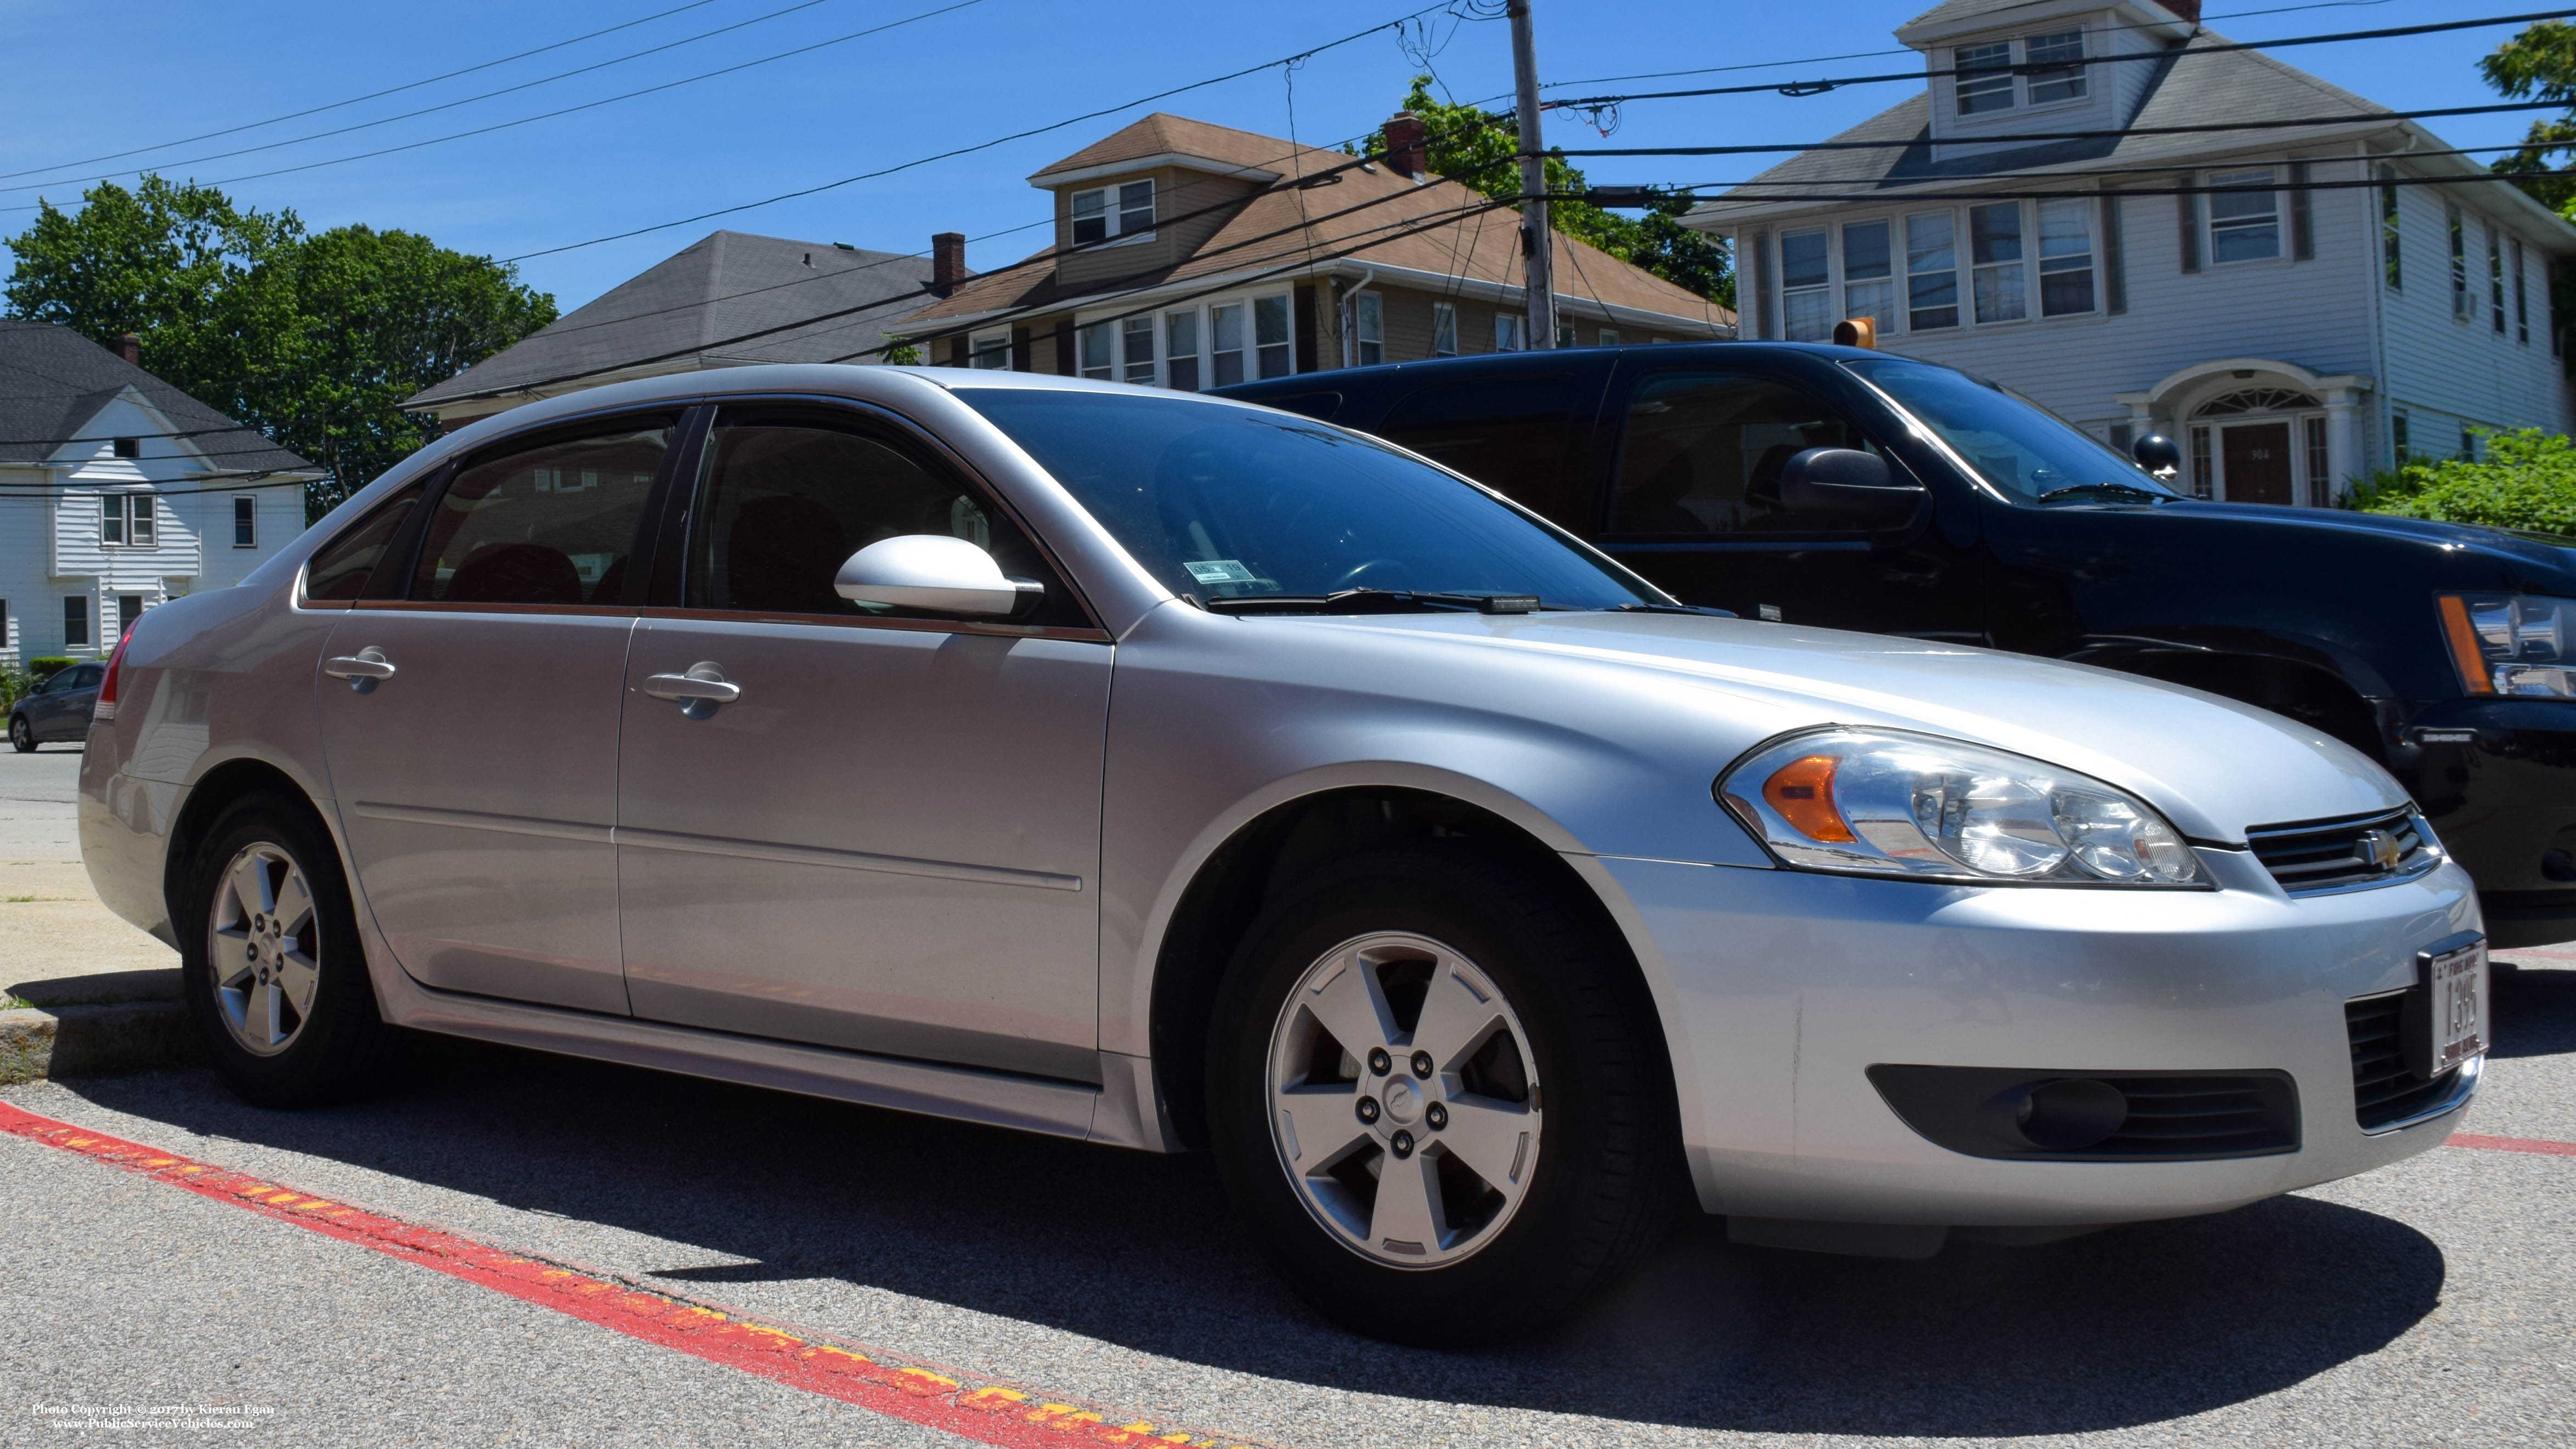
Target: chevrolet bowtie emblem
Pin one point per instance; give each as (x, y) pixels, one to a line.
(2381, 849)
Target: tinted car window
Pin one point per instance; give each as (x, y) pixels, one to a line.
(340, 568)
(780, 508)
(1508, 434)
(1230, 502)
(551, 525)
(2016, 447)
(84, 677)
(1701, 453)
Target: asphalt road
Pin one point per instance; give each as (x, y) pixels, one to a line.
(2425, 1303)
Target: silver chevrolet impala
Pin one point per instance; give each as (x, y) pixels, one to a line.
(1170, 772)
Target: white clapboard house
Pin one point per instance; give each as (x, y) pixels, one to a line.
(118, 491)
(2289, 340)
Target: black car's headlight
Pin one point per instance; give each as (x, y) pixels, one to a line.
(1884, 802)
(2512, 643)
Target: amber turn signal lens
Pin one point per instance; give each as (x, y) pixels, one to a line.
(2465, 651)
(1803, 792)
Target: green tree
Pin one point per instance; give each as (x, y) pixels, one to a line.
(1475, 147)
(2539, 64)
(2527, 480)
(313, 339)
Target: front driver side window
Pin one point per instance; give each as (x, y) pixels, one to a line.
(780, 507)
(553, 524)
(1702, 453)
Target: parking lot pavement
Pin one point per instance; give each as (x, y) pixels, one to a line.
(2425, 1303)
(51, 923)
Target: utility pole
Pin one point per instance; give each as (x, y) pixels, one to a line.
(1538, 261)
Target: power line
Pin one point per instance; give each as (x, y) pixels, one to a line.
(570, 110)
(355, 100)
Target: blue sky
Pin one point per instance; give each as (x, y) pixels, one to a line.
(90, 80)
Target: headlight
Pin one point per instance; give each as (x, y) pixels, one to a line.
(2511, 643)
(1886, 803)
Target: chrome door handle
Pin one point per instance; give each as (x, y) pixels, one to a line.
(698, 692)
(364, 670)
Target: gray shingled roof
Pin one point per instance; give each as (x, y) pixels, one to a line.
(53, 381)
(2188, 88)
(727, 284)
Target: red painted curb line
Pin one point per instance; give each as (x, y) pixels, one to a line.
(2512, 1144)
(994, 1414)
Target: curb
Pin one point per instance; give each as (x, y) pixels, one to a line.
(111, 1024)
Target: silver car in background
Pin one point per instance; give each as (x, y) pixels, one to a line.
(1171, 772)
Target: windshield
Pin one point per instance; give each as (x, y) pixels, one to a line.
(2026, 453)
(1226, 502)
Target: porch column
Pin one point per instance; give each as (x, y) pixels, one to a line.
(2344, 460)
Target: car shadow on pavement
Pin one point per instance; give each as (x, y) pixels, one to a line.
(2132, 1326)
(2535, 1013)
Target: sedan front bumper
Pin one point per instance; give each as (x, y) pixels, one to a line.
(1783, 988)
(2497, 779)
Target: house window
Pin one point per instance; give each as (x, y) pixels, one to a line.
(2495, 279)
(2123, 437)
(1136, 343)
(2459, 262)
(2318, 479)
(128, 448)
(75, 620)
(1994, 240)
(126, 518)
(1609, 337)
(1507, 332)
(1984, 78)
(1806, 286)
(1931, 271)
(2468, 444)
(1869, 285)
(1368, 326)
(1270, 341)
(2397, 443)
(990, 350)
(2389, 272)
(2065, 257)
(1098, 344)
(245, 522)
(1444, 330)
(2245, 217)
(2056, 70)
(1225, 343)
(2204, 481)
(129, 607)
(1564, 335)
(2521, 298)
(1181, 350)
(1112, 212)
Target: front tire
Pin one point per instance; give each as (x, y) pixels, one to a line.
(22, 735)
(272, 968)
(1439, 1097)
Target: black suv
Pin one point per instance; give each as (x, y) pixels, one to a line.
(1860, 490)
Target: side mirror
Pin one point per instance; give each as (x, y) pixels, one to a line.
(1847, 488)
(2157, 454)
(936, 572)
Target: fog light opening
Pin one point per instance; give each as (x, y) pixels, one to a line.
(2069, 1115)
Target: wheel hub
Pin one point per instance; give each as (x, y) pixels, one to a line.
(262, 938)
(1403, 1103)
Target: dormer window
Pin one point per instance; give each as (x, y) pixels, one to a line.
(2051, 67)
(1113, 211)
(128, 447)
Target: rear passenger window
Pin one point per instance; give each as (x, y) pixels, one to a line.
(554, 524)
(781, 507)
(339, 570)
(1507, 434)
(1701, 453)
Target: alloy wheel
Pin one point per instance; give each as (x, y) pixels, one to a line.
(1404, 1102)
(263, 941)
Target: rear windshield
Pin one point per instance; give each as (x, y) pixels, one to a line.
(2021, 450)
(1225, 502)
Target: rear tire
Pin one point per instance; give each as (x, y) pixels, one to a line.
(270, 960)
(1479, 1191)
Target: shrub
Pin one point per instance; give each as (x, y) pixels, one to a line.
(49, 666)
(2527, 480)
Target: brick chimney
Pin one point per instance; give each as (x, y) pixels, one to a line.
(2187, 11)
(1404, 147)
(947, 261)
(130, 347)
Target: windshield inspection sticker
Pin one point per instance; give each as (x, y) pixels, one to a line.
(1219, 571)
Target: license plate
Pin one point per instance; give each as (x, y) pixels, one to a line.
(2459, 1006)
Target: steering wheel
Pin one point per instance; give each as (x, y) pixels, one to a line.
(1357, 576)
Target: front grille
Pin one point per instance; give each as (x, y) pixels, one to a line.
(2205, 1116)
(2384, 1089)
(2326, 855)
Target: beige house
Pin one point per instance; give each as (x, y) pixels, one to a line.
(1192, 256)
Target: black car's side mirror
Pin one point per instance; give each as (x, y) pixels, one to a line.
(2157, 454)
(1847, 488)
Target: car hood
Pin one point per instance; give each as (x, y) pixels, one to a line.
(2213, 766)
(2469, 555)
